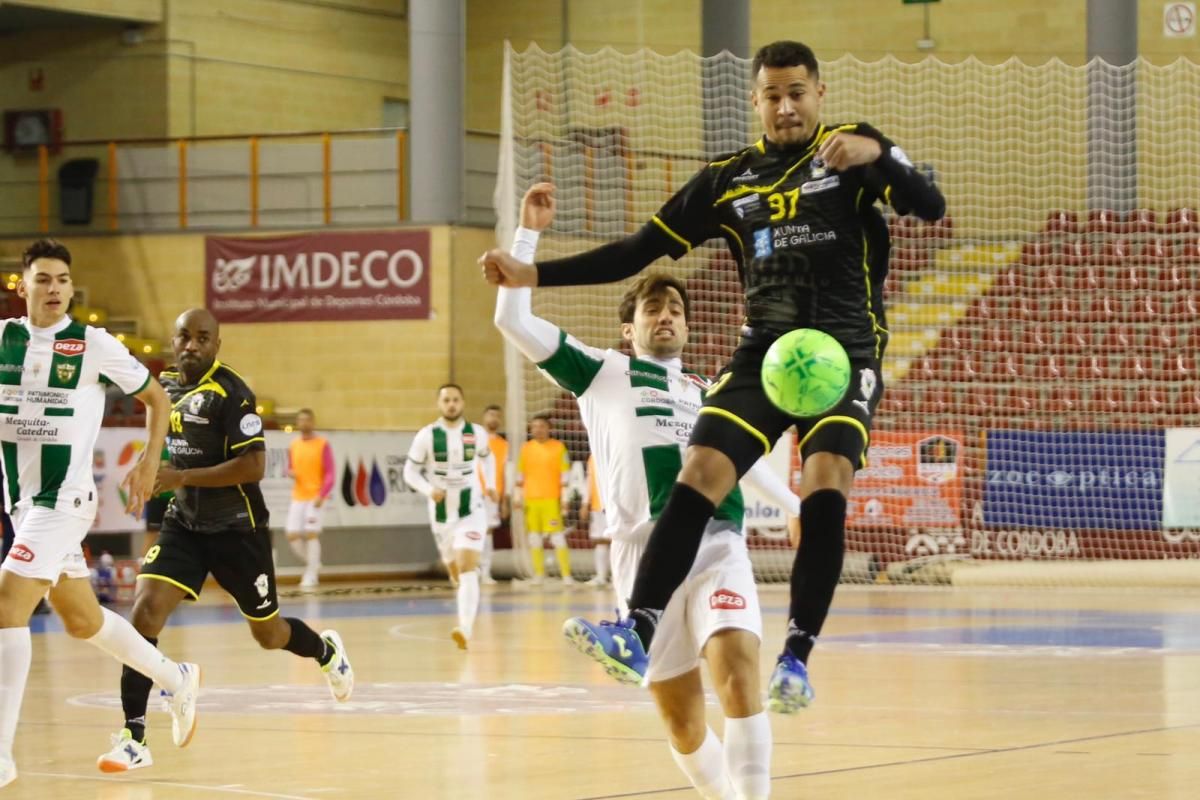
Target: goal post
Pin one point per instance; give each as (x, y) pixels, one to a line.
(1041, 422)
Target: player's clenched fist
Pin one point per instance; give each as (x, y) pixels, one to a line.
(501, 269)
(844, 150)
(538, 206)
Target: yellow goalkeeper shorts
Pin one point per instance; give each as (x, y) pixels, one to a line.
(543, 516)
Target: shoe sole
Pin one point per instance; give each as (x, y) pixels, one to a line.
(6, 781)
(195, 711)
(459, 639)
(586, 642)
(341, 648)
(111, 767)
(784, 699)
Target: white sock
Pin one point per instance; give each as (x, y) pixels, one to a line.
(468, 600)
(558, 540)
(16, 654)
(600, 554)
(748, 755)
(122, 641)
(297, 545)
(313, 546)
(485, 560)
(705, 768)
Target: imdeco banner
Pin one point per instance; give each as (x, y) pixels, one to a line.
(369, 275)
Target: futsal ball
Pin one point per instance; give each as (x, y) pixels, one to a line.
(806, 372)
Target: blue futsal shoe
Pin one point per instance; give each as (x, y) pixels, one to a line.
(789, 689)
(614, 645)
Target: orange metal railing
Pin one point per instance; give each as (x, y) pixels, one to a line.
(189, 171)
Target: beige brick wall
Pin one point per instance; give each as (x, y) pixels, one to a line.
(276, 65)
(355, 375)
(1033, 30)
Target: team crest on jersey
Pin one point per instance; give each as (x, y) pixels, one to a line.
(817, 168)
(65, 371)
(70, 347)
(196, 403)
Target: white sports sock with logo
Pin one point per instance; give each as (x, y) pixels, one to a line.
(705, 768)
(122, 641)
(16, 654)
(468, 600)
(748, 755)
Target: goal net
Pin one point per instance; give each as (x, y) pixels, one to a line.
(1041, 376)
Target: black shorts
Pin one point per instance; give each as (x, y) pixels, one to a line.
(739, 420)
(156, 507)
(240, 562)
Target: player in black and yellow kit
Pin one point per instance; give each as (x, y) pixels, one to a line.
(797, 210)
(216, 524)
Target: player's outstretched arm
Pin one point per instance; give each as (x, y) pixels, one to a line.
(605, 264)
(535, 337)
(768, 483)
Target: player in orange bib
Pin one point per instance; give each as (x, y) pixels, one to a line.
(540, 468)
(311, 465)
(591, 512)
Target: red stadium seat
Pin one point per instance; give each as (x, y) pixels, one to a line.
(1062, 222)
(1075, 252)
(1023, 401)
(1050, 278)
(1086, 278)
(1115, 252)
(1101, 220)
(1181, 220)
(943, 229)
(1037, 253)
(958, 337)
(1187, 251)
(1066, 400)
(1155, 251)
(1142, 220)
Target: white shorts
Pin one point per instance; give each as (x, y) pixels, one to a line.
(48, 545)
(304, 516)
(466, 533)
(597, 525)
(718, 594)
(493, 512)
(623, 556)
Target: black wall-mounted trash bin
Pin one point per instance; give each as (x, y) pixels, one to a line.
(76, 187)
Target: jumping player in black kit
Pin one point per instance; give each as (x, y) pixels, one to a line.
(797, 211)
(216, 523)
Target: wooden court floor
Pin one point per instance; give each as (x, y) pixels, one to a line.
(920, 694)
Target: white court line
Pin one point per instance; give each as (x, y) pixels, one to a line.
(174, 784)
(397, 632)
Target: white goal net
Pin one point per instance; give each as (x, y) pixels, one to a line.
(1042, 374)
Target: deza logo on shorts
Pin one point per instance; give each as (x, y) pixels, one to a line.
(70, 347)
(727, 599)
(21, 553)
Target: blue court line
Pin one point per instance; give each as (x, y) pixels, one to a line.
(1054, 628)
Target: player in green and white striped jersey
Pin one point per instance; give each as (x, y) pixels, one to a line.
(444, 465)
(639, 413)
(53, 371)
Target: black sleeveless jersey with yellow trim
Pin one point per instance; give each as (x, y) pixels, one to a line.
(810, 245)
(213, 420)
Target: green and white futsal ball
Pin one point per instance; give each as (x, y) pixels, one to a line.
(806, 372)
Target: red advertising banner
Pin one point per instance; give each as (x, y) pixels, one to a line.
(911, 480)
(319, 276)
